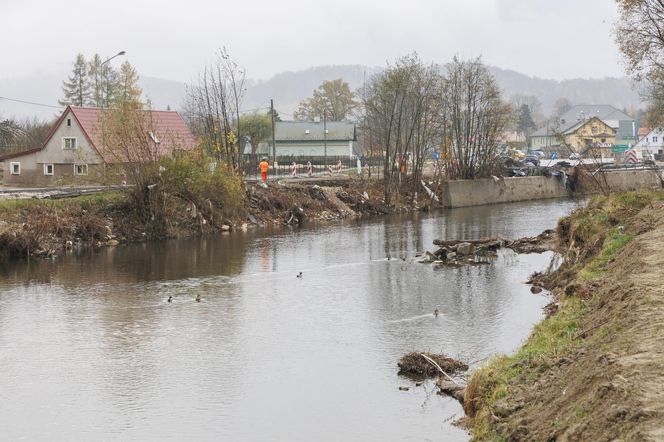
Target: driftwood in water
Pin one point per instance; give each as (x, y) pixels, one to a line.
(452, 389)
(455, 242)
(543, 242)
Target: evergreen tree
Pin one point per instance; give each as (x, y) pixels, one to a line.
(111, 85)
(128, 90)
(96, 80)
(76, 89)
(526, 123)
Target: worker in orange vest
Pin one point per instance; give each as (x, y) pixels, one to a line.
(264, 167)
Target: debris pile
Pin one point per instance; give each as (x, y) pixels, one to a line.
(482, 251)
(454, 253)
(414, 364)
(544, 242)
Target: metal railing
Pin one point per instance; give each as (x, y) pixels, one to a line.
(282, 167)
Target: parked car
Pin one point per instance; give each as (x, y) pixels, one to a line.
(532, 158)
(539, 153)
(574, 156)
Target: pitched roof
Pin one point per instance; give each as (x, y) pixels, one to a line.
(605, 112)
(312, 131)
(168, 128)
(643, 131)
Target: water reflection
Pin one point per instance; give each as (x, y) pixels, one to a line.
(90, 348)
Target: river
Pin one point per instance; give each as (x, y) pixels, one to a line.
(91, 350)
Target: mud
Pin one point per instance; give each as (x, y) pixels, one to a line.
(607, 384)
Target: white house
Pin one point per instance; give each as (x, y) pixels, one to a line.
(653, 142)
(307, 138)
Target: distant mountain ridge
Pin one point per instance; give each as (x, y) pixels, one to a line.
(289, 88)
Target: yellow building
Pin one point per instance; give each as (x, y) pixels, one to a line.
(593, 136)
(585, 129)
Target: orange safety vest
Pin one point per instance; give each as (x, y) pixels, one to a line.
(264, 167)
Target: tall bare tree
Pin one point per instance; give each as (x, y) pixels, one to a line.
(402, 116)
(640, 37)
(474, 116)
(213, 107)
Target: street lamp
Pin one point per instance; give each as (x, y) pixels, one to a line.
(103, 73)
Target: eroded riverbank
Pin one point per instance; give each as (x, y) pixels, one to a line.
(32, 227)
(592, 370)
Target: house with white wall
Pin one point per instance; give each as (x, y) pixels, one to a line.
(308, 139)
(74, 153)
(652, 142)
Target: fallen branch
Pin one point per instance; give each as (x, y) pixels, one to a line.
(438, 367)
(453, 242)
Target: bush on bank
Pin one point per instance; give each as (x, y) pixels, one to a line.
(184, 195)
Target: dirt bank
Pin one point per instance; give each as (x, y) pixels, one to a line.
(594, 370)
(45, 227)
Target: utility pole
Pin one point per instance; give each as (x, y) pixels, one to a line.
(325, 134)
(274, 142)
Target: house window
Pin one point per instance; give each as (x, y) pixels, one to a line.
(654, 139)
(48, 169)
(15, 168)
(80, 169)
(69, 122)
(603, 140)
(594, 129)
(69, 143)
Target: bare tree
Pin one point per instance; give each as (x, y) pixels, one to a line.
(213, 108)
(640, 37)
(402, 116)
(474, 116)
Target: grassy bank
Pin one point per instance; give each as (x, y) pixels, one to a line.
(561, 366)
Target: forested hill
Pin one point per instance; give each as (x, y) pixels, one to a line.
(289, 88)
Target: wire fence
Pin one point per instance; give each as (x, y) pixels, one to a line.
(304, 166)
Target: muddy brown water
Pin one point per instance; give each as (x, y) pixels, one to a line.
(91, 350)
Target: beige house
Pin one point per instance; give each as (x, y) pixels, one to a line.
(584, 127)
(73, 152)
(592, 136)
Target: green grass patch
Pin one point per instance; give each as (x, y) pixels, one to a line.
(612, 246)
(551, 338)
(91, 201)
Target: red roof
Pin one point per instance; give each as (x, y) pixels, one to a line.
(643, 131)
(168, 128)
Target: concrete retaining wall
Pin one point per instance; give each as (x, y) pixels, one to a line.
(463, 193)
(625, 180)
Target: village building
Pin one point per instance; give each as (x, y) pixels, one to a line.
(652, 142)
(73, 152)
(307, 139)
(582, 129)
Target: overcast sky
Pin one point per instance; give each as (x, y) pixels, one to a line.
(175, 39)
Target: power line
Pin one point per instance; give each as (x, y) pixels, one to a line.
(31, 102)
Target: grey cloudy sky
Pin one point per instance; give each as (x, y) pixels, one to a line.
(175, 39)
